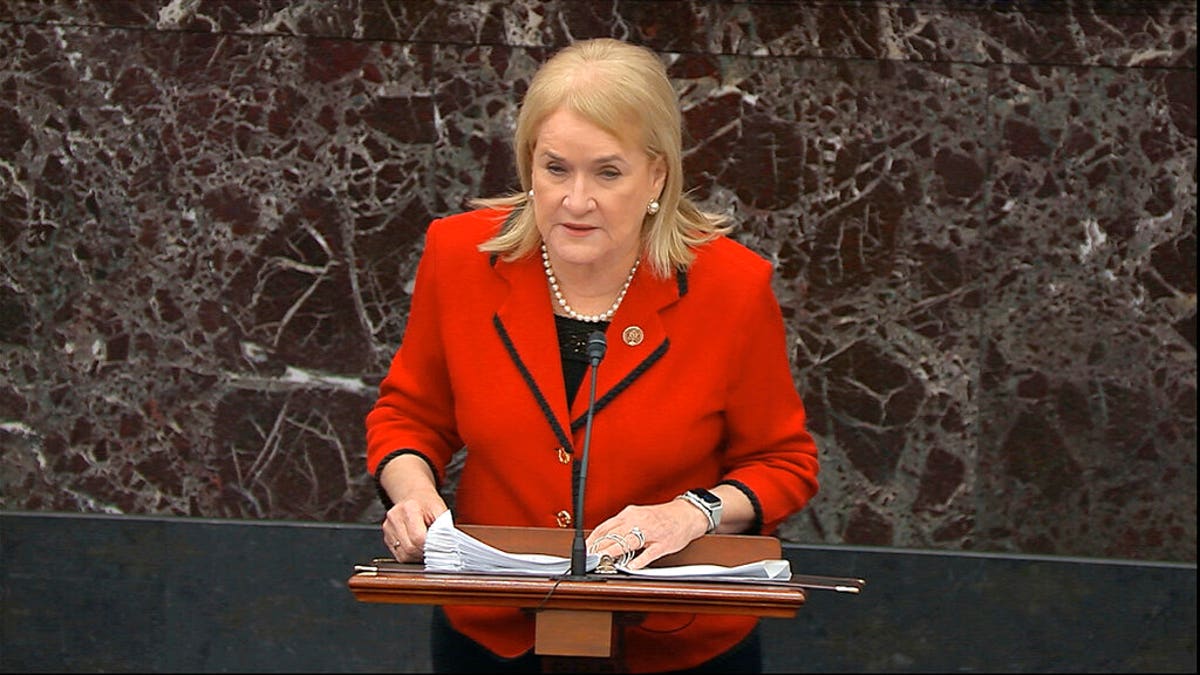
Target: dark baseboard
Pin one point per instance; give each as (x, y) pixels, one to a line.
(124, 593)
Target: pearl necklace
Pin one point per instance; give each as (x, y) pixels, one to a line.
(562, 302)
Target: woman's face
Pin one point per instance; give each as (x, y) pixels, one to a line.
(590, 193)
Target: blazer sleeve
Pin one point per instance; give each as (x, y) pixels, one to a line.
(415, 407)
(770, 450)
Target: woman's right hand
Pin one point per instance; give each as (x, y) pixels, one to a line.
(410, 483)
(406, 524)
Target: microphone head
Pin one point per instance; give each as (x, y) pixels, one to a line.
(596, 345)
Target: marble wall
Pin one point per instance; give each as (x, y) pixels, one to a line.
(983, 217)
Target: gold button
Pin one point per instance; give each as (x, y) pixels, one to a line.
(564, 518)
(633, 336)
(564, 456)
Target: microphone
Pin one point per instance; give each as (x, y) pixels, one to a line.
(596, 346)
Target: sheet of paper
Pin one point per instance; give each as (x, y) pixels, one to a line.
(762, 569)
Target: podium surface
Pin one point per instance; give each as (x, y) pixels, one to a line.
(579, 616)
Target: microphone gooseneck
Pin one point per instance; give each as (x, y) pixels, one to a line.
(596, 346)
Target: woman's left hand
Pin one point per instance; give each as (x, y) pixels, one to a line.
(648, 532)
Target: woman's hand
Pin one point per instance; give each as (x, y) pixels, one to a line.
(410, 483)
(405, 527)
(648, 532)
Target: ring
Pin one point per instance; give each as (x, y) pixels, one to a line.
(637, 532)
(396, 544)
(627, 553)
(617, 538)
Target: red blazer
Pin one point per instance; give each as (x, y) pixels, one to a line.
(695, 388)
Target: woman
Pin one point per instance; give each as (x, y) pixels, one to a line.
(698, 427)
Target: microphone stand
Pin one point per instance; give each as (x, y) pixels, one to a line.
(595, 349)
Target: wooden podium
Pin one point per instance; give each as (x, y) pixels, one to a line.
(581, 617)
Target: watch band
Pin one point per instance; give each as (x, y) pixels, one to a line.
(708, 503)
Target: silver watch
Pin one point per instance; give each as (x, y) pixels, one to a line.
(707, 502)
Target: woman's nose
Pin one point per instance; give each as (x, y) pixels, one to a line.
(578, 198)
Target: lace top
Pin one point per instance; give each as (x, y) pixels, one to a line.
(572, 345)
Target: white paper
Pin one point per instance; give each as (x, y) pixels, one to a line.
(762, 569)
(449, 549)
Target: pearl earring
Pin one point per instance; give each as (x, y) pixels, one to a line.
(652, 207)
(530, 193)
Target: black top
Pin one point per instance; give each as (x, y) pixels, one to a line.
(572, 345)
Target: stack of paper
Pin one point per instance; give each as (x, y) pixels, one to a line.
(449, 549)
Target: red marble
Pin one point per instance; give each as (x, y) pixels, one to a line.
(983, 217)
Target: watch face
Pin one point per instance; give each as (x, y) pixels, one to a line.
(707, 497)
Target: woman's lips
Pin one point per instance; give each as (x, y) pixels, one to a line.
(578, 228)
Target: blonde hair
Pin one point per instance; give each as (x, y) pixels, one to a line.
(624, 90)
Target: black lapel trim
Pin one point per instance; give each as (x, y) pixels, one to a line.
(624, 383)
(537, 393)
(681, 281)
